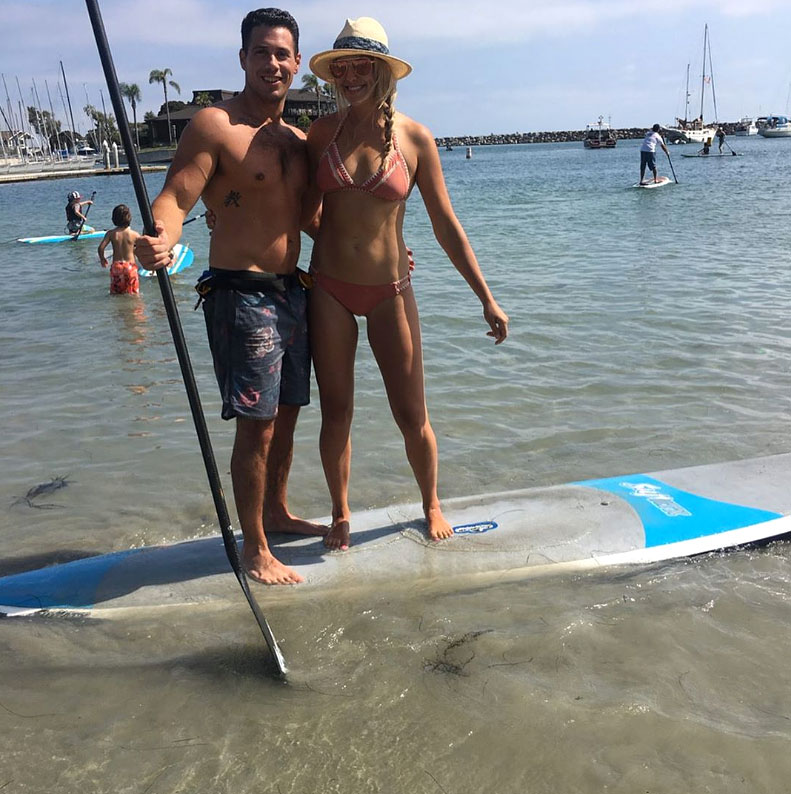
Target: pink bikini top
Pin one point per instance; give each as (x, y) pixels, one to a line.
(390, 184)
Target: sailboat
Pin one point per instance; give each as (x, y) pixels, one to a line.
(694, 130)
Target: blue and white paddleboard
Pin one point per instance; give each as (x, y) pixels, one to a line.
(626, 520)
(88, 233)
(183, 257)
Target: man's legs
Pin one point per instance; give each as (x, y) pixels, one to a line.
(251, 450)
(277, 517)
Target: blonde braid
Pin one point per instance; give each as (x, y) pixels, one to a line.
(388, 108)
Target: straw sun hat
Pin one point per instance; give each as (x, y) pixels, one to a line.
(363, 36)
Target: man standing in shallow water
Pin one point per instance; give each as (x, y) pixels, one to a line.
(251, 170)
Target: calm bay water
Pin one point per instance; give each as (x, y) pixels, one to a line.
(650, 330)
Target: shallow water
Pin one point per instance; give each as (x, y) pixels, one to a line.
(649, 330)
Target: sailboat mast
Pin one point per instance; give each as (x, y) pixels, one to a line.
(71, 115)
(686, 105)
(703, 76)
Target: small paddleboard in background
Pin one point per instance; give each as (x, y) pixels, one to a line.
(662, 180)
(183, 257)
(88, 233)
(710, 155)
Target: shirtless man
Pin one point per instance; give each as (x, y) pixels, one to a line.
(251, 170)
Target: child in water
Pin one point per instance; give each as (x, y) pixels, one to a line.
(124, 279)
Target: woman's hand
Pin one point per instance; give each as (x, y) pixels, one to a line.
(498, 321)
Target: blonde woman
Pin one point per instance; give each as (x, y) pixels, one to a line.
(365, 160)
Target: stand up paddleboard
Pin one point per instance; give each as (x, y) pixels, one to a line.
(712, 155)
(661, 181)
(87, 233)
(183, 257)
(627, 520)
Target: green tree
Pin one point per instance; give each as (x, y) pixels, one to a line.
(104, 128)
(131, 92)
(311, 83)
(161, 76)
(203, 99)
(303, 122)
(45, 125)
(172, 106)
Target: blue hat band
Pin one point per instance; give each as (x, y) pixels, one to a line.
(360, 43)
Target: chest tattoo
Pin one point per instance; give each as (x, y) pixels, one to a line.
(232, 199)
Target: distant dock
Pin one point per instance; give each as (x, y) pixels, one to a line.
(70, 173)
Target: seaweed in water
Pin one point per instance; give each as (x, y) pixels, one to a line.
(42, 489)
(445, 663)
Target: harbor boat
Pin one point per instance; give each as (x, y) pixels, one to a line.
(746, 126)
(775, 127)
(599, 136)
(695, 130)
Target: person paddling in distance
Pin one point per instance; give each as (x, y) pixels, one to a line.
(648, 152)
(365, 160)
(251, 169)
(75, 218)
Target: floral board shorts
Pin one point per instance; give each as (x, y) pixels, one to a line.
(124, 278)
(259, 343)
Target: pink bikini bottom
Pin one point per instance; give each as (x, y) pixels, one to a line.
(360, 299)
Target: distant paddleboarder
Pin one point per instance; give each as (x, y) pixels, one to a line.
(720, 137)
(75, 219)
(648, 152)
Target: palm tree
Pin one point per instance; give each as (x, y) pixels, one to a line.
(161, 76)
(203, 99)
(311, 83)
(131, 91)
(328, 91)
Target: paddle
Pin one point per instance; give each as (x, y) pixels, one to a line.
(673, 170)
(84, 217)
(202, 215)
(178, 335)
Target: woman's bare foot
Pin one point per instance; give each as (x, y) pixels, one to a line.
(279, 521)
(266, 569)
(438, 527)
(338, 536)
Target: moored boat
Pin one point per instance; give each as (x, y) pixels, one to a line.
(774, 127)
(599, 135)
(746, 126)
(695, 130)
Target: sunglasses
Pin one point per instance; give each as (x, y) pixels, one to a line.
(362, 67)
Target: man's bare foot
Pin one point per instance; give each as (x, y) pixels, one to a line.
(338, 536)
(438, 527)
(291, 525)
(266, 569)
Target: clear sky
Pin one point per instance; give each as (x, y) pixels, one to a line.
(513, 65)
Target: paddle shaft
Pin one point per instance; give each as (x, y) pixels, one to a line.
(672, 170)
(84, 217)
(178, 335)
(202, 215)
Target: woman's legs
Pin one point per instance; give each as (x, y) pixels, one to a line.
(333, 339)
(394, 334)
